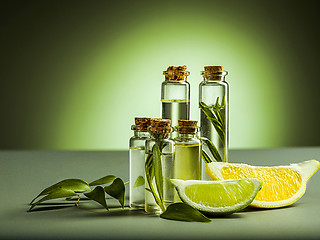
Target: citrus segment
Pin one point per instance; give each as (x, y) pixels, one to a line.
(281, 185)
(219, 197)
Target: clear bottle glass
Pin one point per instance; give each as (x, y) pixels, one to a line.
(137, 163)
(175, 95)
(159, 156)
(188, 147)
(214, 111)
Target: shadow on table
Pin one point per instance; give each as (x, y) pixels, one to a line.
(51, 206)
(93, 210)
(114, 211)
(96, 211)
(255, 209)
(90, 210)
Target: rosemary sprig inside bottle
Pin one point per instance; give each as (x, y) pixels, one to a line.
(159, 166)
(217, 119)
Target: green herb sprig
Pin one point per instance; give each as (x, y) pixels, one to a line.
(70, 188)
(212, 149)
(153, 169)
(214, 116)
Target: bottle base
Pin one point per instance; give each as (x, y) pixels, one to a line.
(137, 206)
(153, 209)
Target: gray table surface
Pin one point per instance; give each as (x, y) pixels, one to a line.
(24, 174)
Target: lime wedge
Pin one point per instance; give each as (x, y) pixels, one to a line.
(218, 197)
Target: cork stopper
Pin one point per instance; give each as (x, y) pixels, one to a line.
(142, 124)
(214, 73)
(213, 69)
(160, 126)
(187, 126)
(178, 73)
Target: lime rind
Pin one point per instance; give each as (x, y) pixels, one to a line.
(252, 187)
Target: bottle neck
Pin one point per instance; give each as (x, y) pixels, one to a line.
(187, 135)
(175, 81)
(214, 77)
(159, 136)
(141, 134)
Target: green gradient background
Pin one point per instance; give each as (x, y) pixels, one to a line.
(74, 74)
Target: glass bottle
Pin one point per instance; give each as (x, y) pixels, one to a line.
(175, 95)
(137, 162)
(188, 147)
(214, 111)
(159, 156)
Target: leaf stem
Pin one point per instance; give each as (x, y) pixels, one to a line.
(77, 203)
(157, 199)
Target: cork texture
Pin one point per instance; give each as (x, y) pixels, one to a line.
(177, 73)
(213, 69)
(160, 126)
(187, 126)
(214, 73)
(142, 123)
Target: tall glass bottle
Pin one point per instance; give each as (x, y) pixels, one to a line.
(175, 95)
(159, 156)
(187, 161)
(214, 111)
(137, 162)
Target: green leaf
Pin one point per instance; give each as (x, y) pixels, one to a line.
(139, 182)
(116, 190)
(149, 166)
(103, 180)
(215, 118)
(206, 110)
(158, 170)
(76, 185)
(184, 212)
(216, 109)
(150, 173)
(217, 103)
(212, 149)
(219, 124)
(206, 157)
(54, 194)
(219, 118)
(98, 195)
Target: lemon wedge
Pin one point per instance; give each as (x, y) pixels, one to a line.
(281, 185)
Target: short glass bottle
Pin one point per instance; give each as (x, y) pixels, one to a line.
(214, 111)
(188, 148)
(137, 163)
(159, 156)
(175, 95)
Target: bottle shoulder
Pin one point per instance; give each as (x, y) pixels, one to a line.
(213, 83)
(137, 141)
(138, 138)
(166, 140)
(187, 140)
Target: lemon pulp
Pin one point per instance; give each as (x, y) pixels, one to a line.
(278, 183)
